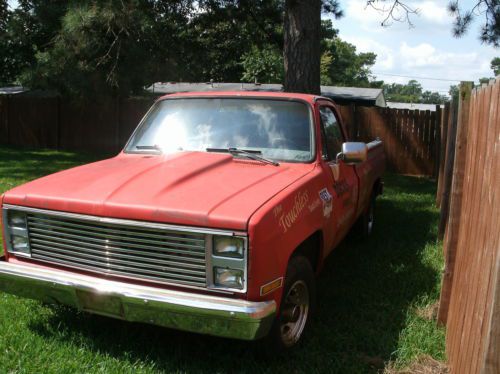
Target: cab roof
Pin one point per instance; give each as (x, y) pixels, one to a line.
(260, 94)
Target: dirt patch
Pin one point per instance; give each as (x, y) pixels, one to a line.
(423, 365)
(429, 312)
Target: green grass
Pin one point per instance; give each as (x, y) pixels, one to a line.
(370, 294)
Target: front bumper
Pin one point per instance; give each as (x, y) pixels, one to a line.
(204, 314)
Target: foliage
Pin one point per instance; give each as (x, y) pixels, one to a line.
(489, 10)
(454, 92)
(23, 31)
(94, 47)
(224, 33)
(107, 47)
(412, 92)
(343, 66)
(495, 66)
(372, 292)
(263, 66)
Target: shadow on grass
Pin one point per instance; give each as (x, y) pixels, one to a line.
(364, 293)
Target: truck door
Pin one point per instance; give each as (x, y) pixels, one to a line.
(341, 179)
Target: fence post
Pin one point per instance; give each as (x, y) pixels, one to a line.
(58, 122)
(437, 140)
(7, 116)
(448, 168)
(442, 156)
(452, 219)
(492, 359)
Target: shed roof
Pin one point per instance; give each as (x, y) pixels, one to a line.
(341, 95)
(11, 90)
(413, 106)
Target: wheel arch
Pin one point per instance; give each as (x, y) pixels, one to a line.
(312, 249)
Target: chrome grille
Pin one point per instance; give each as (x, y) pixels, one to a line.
(146, 253)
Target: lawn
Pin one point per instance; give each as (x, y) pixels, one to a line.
(376, 301)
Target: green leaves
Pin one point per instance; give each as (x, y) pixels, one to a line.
(263, 65)
(412, 92)
(342, 65)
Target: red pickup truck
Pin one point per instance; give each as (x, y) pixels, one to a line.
(215, 217)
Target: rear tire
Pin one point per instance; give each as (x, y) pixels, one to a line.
(297, 306)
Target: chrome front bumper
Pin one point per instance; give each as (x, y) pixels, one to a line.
(203, 314)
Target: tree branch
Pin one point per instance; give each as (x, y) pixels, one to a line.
(398, 11)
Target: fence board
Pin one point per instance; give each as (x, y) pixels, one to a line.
(410, 140)
(491, 356)
(452, 218)
(4, 130)
(31, 121)
(130, 114)
(89, 126)
(473, 322)
(442, 149)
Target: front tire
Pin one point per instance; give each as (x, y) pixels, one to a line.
(297, 305)
(370, 217)
(365, 223)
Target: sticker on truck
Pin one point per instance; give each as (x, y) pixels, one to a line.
(326, 198)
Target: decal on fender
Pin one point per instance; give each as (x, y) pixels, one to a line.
(287, 219)
(327, 199)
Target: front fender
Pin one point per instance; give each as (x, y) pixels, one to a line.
(278, 228)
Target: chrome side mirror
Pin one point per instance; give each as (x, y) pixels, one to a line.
(353, 153)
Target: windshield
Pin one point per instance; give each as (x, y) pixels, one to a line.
(279, 130)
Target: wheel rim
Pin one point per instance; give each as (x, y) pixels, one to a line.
(370, 219)
(294, 313)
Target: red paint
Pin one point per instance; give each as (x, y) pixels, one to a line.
(278, 206)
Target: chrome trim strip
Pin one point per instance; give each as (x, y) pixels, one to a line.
(374, 143)
(47, 221)
(126, 222)
(78, 256)
(103, 267)
(199, 313)
(118, 252)
(104, 241)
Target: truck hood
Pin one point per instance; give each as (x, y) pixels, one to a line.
(187, 188)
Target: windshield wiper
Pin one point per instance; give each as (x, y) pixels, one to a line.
(254, 155)
(154, 147)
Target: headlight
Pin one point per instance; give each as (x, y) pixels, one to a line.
(20, 244)
(228, 246)
(16, 219)
(230, 278)
(228, 263)
(16, 232)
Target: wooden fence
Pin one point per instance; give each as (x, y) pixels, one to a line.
(470, 298)
(412, 138)
(52, 122)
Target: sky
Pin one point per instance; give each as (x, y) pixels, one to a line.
(428, 50)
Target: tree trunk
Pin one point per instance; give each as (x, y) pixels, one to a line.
(302, 46)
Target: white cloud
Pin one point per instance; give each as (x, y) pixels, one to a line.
(385, 54)
(422, 60)
(433, 11)
(427, 51)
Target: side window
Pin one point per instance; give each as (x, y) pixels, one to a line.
(332, 132)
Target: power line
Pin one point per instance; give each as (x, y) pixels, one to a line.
(413, 77)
